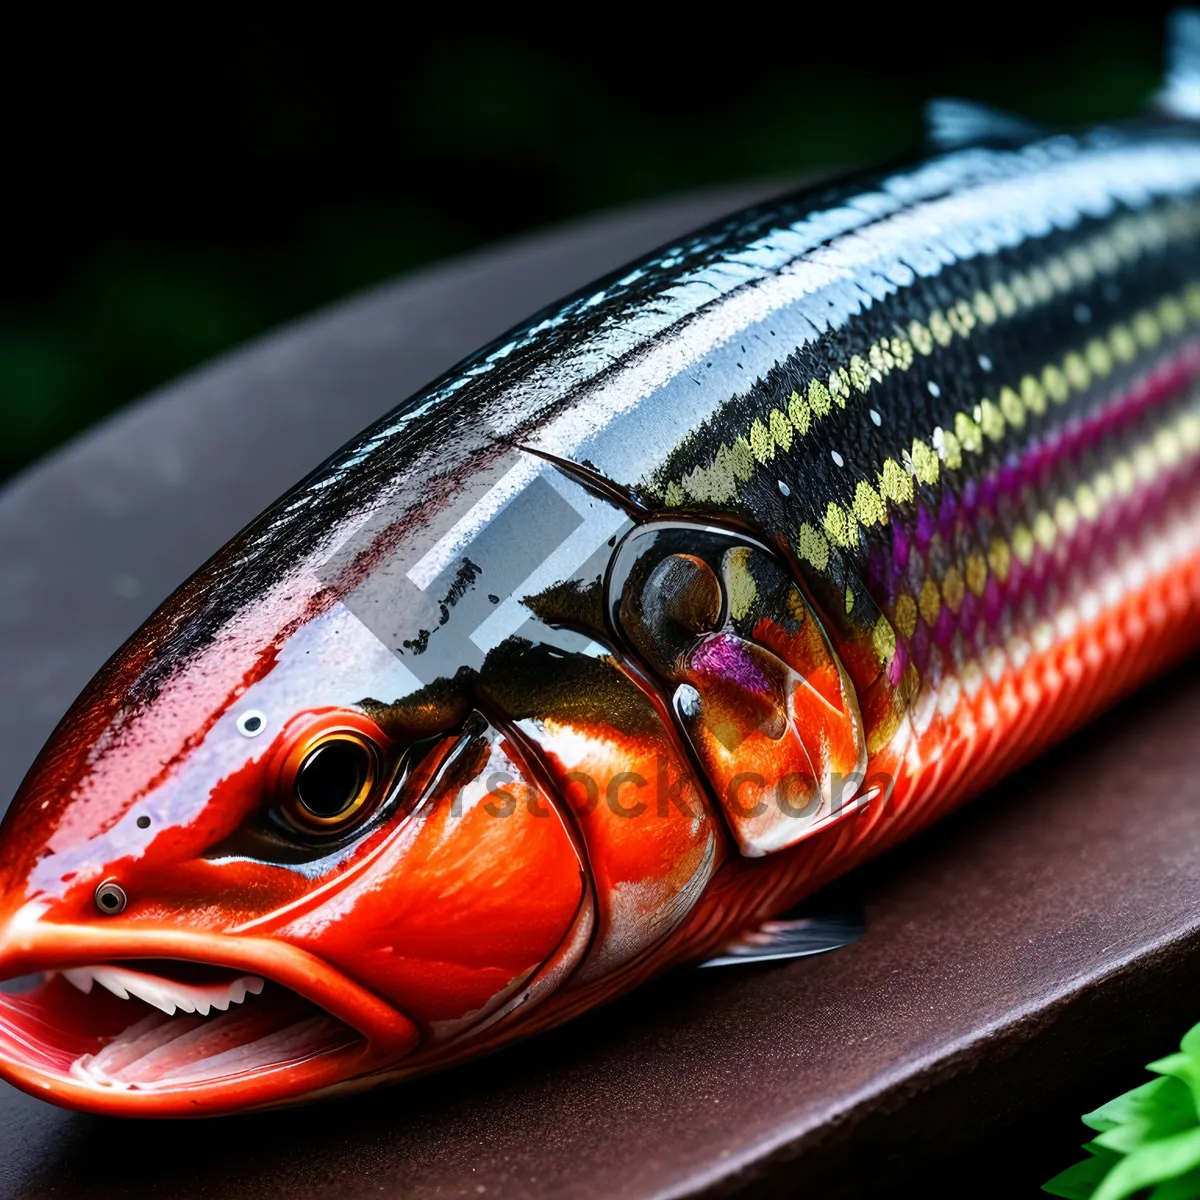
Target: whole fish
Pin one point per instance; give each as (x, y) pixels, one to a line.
(633, 630)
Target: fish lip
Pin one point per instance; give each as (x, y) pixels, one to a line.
(387, 1035)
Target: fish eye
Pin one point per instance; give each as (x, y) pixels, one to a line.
(331, 778)
(329, 782)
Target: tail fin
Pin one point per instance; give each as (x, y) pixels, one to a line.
(1180, 96)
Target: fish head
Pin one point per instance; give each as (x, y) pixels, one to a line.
(335, 815)
(267, 862)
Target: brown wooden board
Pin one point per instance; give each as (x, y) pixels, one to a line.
(1025, 947)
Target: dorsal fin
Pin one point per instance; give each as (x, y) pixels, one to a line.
(952, 123)
(1180, 95)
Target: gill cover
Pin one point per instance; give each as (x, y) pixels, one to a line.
(764, 701)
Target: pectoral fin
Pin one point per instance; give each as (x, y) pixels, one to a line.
(794, 938)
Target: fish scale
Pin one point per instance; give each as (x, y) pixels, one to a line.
(670, 606)
(1139, 315)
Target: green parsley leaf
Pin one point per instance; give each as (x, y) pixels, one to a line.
(1153, 1163)
(1148, 1140)
(1081, 1181)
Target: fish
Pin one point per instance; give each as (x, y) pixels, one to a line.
(643, 624)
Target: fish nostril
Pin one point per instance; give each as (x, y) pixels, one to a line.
(251, 723)
(111, 898)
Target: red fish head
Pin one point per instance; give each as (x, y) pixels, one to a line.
(254, 875)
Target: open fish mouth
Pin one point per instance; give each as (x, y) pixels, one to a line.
(192, 1025)
(165, 1025)
(181, 1037)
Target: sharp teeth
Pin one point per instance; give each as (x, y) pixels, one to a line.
(112, 979)
(81, 977)
(165, 994)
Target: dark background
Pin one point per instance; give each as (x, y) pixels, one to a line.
(169, 196)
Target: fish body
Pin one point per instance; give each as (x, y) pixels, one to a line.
(686, 597)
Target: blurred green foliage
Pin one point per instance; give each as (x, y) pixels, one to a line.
(165, 203)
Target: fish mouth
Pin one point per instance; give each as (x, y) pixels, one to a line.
(165, 1035)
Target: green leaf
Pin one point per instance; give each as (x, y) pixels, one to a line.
(1165, 1107)
(1154, 1163)
(1138, 1103)
(1148, 1139)
(1080, 1181)
(1191, 1043)
(1128, 1138)
(1185, 1187)
(1182, 1066)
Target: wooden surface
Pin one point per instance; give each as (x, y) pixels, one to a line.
(1032, 943)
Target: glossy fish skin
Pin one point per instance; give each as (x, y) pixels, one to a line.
(682, 600)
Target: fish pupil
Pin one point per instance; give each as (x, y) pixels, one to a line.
(331, 778)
